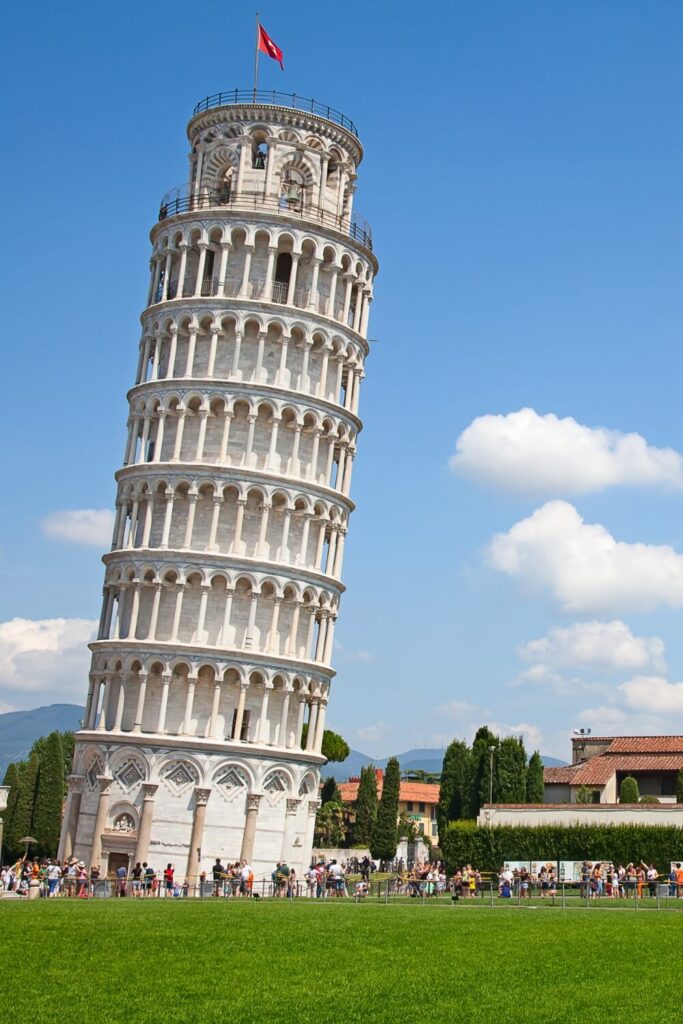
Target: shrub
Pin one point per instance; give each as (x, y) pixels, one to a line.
(628, 791)
(489, 847)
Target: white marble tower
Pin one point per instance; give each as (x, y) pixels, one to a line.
(212, 668)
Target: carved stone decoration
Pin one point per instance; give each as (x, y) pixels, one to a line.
(293, 806)
(313, 806)
(130, 774)
(93, 773)
(232, 782)
(275, 787)
(308, 784)
(253, 801)
(201, 796)
(124, 823)
(180, 775)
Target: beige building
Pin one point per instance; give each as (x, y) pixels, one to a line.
(212, 667)
(601, 763)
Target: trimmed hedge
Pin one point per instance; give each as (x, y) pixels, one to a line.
(487, 848)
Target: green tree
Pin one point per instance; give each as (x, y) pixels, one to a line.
(22, 816)
(334, 746)
(330, 791)
(385, 832)
(584, 795)
(511, 771)
(330, 825)
(679, 787)
(67, 739)
(12, 779)
(50, 789)
(535, 790)
(628, 791)
(648, 798)
(479, 775)
(365, 807)
(407, 829)
(453, 788)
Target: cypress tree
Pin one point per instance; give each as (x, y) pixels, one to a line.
(511, 771)
(535, 789)
(385, 832)
(479, 775)
(50, 788)
(679, 787)
(628, 791)
(67, 739)
(366, 807)
(330, 791)
(22, 816)
(11, 779)
(453, 789)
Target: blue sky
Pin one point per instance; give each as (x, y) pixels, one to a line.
(523, 181)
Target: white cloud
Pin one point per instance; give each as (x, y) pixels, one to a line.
(609, 646)
(44, 660)
(92, 526)
(531, 734)
(373, 732)
(653, 695)
(582, 564)
(528, 453)
(454, 709)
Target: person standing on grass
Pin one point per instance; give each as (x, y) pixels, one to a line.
(168, 880)
(54, 874)
(245, 872)
(651, 876)
(121, 880)
(147, 877)
(218, 872)
(552, 883)
(137, 880)
(679, 881)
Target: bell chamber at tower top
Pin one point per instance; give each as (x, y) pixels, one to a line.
(268, 210)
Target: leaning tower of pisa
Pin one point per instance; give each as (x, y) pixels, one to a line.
(212, 667)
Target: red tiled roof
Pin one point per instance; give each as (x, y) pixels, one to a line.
(646, 745)
(420, 792)
(599, 770)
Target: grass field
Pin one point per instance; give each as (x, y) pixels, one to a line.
(180, 962)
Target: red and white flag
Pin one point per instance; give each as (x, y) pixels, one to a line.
(266, 45)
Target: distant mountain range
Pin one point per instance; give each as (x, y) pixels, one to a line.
(426, 759)
(20, 729)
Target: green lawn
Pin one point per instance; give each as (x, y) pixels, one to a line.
(181, 962)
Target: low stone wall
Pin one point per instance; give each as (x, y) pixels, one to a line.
(580, 814)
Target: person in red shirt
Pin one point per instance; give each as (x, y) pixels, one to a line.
(168, 879)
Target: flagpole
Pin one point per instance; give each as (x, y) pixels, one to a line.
(256, 58)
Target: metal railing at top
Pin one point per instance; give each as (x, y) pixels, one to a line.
(273, 98)
(178, 200)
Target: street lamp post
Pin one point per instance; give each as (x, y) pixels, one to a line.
(491, 752)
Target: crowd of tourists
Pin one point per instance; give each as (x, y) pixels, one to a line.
(333, 880)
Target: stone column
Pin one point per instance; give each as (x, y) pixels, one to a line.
(201, 797)
(299, 722)
(320, 727)
(239, 717)
(140, 709)
(290, 817)
(283, 737)
(71, 812)
(105, 782)
(145, 830)
(310, 735)
(166, 682)
(247, 851)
